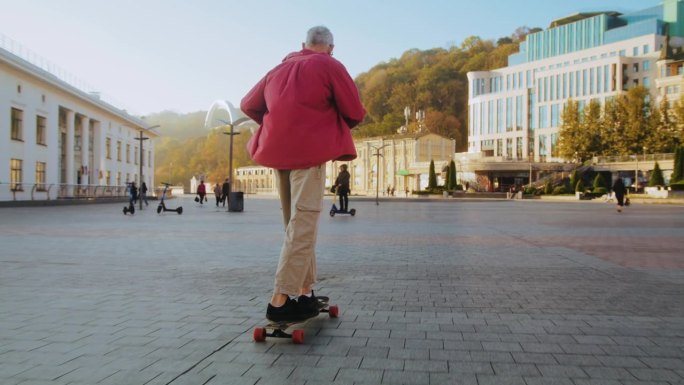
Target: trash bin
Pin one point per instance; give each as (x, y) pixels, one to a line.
(236, 201)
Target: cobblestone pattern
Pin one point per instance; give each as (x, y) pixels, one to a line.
(430, 293)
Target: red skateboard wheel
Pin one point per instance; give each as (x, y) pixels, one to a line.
(333, 311)
(298, 336)
(259, 334)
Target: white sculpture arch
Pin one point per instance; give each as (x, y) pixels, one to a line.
(235, 116)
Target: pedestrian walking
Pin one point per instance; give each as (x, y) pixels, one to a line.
(143, 193)
(619, 191)
(225, 190)
(201, 192)
(218, 194)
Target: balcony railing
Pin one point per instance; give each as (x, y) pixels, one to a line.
(52, 191)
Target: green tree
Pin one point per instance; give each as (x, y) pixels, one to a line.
(590, 131)
(656, 178)
(636, 123)
(570, 130)
(661, 137)
(579, 187)
(678, 166)
(452, 176)
(447, 175)
(432, 177)
(678, 118)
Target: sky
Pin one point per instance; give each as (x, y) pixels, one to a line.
(149, 56)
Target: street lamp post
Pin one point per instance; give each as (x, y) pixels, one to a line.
(142, 139)
(231, 133)
(377, 177)
(530, 158)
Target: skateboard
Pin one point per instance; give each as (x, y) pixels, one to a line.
(278, 329)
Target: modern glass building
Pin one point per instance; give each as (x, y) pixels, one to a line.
(515, 111)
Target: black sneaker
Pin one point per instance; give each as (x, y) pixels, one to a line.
(322, 300)
(291, 311)
(309, 304)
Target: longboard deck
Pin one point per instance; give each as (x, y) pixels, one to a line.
(278, 329)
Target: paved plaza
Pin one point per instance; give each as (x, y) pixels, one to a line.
(439, 292)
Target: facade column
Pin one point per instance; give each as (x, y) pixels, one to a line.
(98, 153)
(69, 156)
(85, 150)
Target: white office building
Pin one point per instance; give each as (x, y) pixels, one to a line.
(61, 142)
(515, 111)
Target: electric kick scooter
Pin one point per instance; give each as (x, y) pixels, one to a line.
(162, 205)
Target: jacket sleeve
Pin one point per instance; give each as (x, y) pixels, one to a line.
(346, 96)
(254, 103)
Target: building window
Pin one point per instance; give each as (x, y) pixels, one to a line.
(499, 116)
(635, 67)
(40, 176)
(554, 115)
(543, 117)
(108, 149)
(135, 158)
(647, 82)
(646, 65)
(635, 51)
(509, 114)
(40, 130)
(17, 124)
(15, 175)
(108, 177)
(118, 150)
(128, 153)
(518, 112)
(646, 48)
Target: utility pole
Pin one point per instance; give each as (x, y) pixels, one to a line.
(377, 176)
(142, 139)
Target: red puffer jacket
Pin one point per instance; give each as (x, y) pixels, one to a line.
(306, 107)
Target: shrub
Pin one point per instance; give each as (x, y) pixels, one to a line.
(530, 190)
(677, 186)
(548, 188)
(560, 190)
(600, 190)
(579, 187)
(599, 181)
(574, 177)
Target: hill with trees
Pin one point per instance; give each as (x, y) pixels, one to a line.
(434, 81)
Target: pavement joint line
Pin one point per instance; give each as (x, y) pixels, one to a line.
(202, 360)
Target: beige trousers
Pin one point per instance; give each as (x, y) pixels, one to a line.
(301, 195)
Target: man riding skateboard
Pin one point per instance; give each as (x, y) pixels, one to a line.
(306, 107)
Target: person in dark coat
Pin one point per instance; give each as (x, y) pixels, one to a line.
(619, 191)
(225, 189)
(342, 187)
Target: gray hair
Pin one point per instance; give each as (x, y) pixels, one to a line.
(319, 35)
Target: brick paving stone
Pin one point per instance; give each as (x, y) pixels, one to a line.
(362, 376)
(436, 292)
(403, 377)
